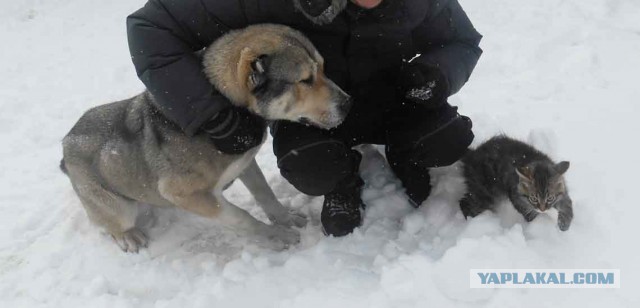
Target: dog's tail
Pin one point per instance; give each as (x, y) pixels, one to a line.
(63, 167)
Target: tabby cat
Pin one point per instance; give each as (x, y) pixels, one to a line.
(504, 166)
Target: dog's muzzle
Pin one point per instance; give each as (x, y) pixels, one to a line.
(345, 106)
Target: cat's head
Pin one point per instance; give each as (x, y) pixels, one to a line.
(542, 183)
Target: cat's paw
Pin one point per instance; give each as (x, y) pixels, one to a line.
(470, 208)
(529, 217)
(564, 222)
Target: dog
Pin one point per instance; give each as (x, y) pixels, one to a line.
(123, 155)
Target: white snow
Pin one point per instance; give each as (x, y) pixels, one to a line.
(562, 74)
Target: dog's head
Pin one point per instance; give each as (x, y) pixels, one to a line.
(290, 85)
(279, 76)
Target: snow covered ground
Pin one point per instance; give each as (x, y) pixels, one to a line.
(562, 74)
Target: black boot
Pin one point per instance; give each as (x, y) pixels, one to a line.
(342, 208)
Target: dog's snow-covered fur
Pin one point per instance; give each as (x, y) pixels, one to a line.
(121, 155)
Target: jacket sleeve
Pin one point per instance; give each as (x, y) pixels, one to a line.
(448, 41)
(163, 38)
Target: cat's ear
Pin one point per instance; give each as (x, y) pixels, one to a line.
(562, 167)
(524, 173)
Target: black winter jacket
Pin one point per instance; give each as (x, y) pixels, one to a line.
(362, 48)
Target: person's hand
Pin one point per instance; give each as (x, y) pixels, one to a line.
(235, 130)
(423, 85)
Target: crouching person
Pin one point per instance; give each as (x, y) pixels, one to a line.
(399, 60)
(400, 104)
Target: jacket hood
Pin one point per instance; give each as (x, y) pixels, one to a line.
(320, 12)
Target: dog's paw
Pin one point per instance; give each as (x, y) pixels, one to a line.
(279, 237)
(131, 240)
(298, 219)
(291, 219)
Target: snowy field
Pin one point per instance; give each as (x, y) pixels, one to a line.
(562, 74)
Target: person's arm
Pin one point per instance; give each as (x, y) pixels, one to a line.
(448, 42)
(163, 36)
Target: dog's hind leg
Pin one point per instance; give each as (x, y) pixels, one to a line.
(254, 180)
(190, 192)
(111, 211)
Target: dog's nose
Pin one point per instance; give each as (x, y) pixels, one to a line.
(346, 105)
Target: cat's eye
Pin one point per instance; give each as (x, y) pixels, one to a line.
(533, 199)
(551, 198)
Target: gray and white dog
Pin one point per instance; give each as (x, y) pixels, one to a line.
(124, 154)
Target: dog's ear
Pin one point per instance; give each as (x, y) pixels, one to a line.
(251, 68)
(258, 76)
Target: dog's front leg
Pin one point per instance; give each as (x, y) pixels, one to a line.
(184, 192)
(254, 180)
(273, 236)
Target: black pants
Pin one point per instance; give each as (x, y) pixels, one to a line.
(417, 138)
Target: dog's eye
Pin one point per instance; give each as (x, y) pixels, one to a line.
(308, 81)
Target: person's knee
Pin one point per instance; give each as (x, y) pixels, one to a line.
(316, 168)
(446, 145)
(440, 140)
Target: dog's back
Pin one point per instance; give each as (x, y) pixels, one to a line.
(128, 145)
(93, 130)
